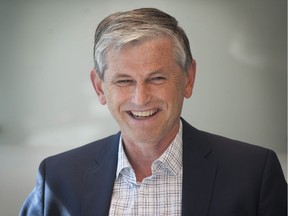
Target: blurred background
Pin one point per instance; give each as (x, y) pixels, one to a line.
(47, 104)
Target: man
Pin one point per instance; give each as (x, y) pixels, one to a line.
(157, 164)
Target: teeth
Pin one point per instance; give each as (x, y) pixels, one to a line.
(144, 113)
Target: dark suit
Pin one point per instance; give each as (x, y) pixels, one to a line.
(221, 177)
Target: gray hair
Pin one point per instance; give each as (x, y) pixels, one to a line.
(122, 28)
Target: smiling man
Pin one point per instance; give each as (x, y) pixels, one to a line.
(144, 88)
(157, 164)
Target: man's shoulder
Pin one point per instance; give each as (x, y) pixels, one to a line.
(222, 146)
(86, 154)
(228, 154)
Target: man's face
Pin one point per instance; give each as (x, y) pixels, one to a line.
(144, 88)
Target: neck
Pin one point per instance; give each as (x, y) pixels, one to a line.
(141, 159)
(142, 155)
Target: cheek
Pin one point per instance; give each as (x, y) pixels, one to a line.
(169, 96)
(176, 96)
(115, 97)
(109, 96)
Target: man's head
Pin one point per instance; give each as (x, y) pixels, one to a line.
(149, 71)
(122, 28)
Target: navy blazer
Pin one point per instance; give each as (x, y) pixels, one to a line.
(221, 177)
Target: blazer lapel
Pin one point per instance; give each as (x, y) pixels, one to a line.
(198, 173)
(99, 181)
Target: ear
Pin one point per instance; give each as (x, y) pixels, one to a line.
(98, 86)
(190, 79)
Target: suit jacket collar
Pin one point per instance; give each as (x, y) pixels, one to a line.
(99, 181)
(198, 172)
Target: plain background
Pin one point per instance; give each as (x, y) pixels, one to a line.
(47, 104)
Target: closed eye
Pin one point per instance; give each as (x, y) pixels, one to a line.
(124, 82)
(158, 79)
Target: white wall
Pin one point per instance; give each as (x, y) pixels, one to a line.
(48, 105)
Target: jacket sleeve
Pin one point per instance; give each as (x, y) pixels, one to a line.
(34, 203)
(273, 196)
(43, 201)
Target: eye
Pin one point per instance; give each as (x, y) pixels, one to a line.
(158, 79)
(124, 82)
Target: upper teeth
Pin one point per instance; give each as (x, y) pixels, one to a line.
(143, 113)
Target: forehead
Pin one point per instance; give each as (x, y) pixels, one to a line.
(136, 51)
(142, 59)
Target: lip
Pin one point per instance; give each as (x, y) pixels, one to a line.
(141, 115)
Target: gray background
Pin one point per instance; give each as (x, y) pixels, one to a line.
(47, 104)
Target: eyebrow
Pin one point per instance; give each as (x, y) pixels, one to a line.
(124, 75)
(156, 72)
(121, 75)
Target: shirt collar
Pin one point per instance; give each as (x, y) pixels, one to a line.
(171, 159)
(123, 162)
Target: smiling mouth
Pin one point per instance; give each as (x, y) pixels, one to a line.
(143, 114)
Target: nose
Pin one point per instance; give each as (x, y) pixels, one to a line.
(142, 94)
